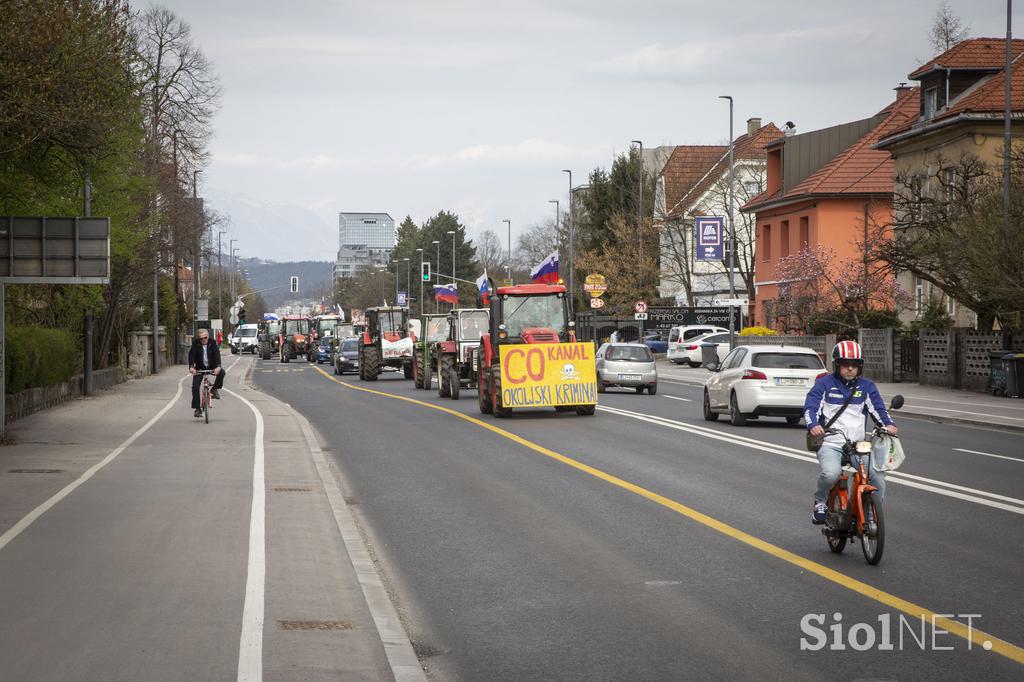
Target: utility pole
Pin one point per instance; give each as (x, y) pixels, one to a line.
(420, 251)
(437, 271)
(408, 282)
(1007, 74)
(639, 220)
(732, 232)
(452, 233)
(196, 251)
(87, 332)
(572, 227)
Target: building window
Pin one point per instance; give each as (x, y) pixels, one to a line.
(918, 296)
(784, 239)
(805, 233)
(766, 242)
(751, 188)
(931, 102)
(951, 306)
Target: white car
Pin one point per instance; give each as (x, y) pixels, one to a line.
(243, 339)
(681, 337)
(692, 354)
(761, 381)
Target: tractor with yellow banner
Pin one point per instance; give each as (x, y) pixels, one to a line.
(529, 358)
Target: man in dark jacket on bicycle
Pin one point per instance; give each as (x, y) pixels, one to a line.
(204, 355)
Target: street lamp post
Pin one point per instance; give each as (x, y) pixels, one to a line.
(508, 224)
(558, 216)
(452, 233)
(408, 282)
(231, 269)
(394, 301)
(732, 232)
(572, 226)
(640, 218)
(196, 253)
(437, 270)
(420, 251)
(220, 280)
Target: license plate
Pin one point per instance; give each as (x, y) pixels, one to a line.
(786, 381)
(630, 377)
(392, 354)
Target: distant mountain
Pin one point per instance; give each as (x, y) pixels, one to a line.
(280, 232)
(315, 279)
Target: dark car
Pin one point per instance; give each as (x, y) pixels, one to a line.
(347, 357)
(657, 342)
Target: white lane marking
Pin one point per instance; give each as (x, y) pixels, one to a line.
(910, 480)
(989, 454)
(30, 518)
(250, 644)
(672, 397)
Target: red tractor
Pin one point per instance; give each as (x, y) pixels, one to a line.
(530, 357)
(387, 342)
(293, 337)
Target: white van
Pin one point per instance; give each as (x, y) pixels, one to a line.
(679, 336)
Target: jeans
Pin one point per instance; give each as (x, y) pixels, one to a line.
(829, 458)
(197, 381)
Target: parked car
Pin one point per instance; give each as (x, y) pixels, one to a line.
(761, 381)
(692, 354)
(346, 359)
(657, 342)
(680, 337)
(629, 365)
(243, 339)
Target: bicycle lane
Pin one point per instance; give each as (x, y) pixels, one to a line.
(143, 566)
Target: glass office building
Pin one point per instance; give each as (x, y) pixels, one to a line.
(364, 240)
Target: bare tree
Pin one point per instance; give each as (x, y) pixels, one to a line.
(947, 29)
(534, 245)
(490, 252)
(631, 266)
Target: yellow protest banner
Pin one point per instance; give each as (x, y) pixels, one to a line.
(547, 374)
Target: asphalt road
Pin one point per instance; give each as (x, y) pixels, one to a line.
(646, 543)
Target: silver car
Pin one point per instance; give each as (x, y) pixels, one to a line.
(629, 365)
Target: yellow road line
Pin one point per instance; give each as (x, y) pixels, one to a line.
(971, 634)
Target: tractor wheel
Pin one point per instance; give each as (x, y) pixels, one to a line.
(369, 365)
(499, 411)
(444, 376)
(454, 383)
(407, 369)
(417, 370)
(483, 397)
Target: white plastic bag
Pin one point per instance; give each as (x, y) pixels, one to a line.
(887, 453)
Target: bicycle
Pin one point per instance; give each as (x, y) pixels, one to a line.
(205, 393)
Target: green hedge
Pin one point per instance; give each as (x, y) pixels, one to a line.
(35, 356)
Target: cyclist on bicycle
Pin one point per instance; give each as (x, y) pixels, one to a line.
(825, 399)
(204, 356)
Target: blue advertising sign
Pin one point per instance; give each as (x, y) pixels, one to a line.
(710, 237)
(403, 298)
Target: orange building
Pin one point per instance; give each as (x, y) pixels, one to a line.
(824, 188)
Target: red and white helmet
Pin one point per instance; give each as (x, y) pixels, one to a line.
(848, 351)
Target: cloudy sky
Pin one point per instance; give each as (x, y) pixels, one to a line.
(475, 106)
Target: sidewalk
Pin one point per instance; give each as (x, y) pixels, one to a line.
(136, 543)
(931, 402)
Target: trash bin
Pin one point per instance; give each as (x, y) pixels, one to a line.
(997, 372)
(708, 353)
(1014, 367)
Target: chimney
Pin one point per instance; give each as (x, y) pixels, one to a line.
(753, 125)
(902, 89)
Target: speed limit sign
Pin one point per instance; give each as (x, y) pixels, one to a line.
(640, 307)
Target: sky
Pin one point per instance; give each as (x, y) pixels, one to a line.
(411, 107)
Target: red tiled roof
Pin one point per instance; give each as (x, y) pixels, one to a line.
(859, 169)
(707, 164)
(990, 95)
(972, 54)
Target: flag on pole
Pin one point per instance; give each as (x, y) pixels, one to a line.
(341, 312)
(485, 288)
(446, 293)
(547, 271)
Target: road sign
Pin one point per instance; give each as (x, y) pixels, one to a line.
(710, 238)
(234, 318)
(596, 303)
(595, 285)
(202, 309)
(639, 316)
(402, 298)
(640, 307)
(734, 301)
(234, 311)
(52, 250)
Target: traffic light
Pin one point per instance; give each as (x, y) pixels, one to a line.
(241, 316)
(425, 271)
(295, 284)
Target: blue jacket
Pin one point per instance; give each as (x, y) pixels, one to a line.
(827, 396)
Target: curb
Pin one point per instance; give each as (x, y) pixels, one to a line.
(401, 656)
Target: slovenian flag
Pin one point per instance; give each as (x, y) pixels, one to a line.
(341, 312)
(547, 271)
(485, 288)
(446, 293)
